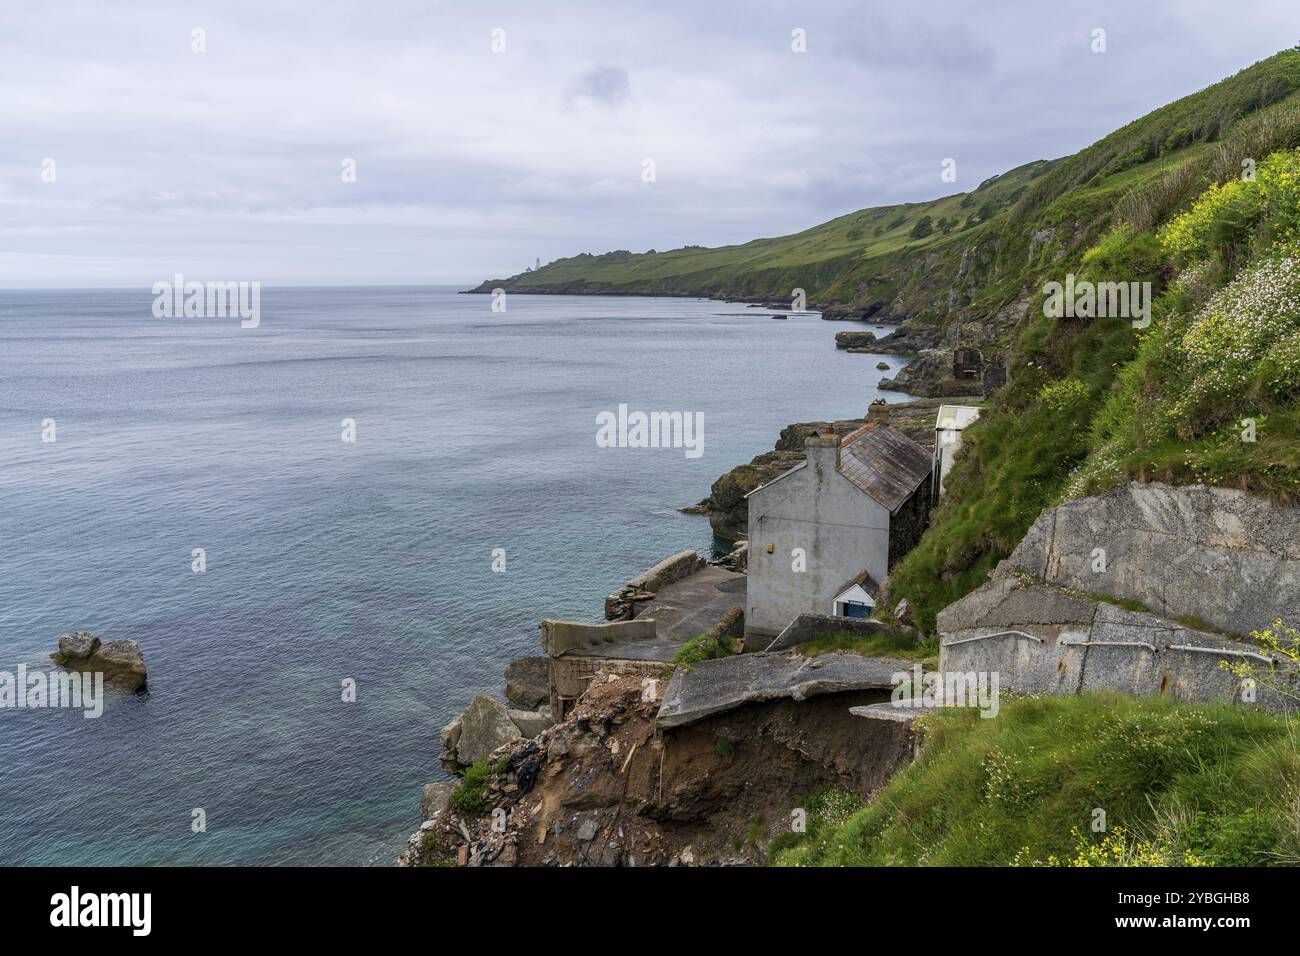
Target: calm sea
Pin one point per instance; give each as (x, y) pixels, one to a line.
(330, 560)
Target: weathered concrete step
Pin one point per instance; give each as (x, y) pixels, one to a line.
(888, 710)
(712, 687)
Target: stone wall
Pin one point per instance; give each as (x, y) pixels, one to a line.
(1044, 640)
(558, 637)
(621, 605)
(910, 521)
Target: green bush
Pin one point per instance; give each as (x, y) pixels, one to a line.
(470, 797)
(702, 647)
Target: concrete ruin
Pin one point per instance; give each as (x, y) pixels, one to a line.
(1146, 589)
(715, 687)
(648, 620)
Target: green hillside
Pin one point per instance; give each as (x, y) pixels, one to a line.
(820, 260)
(886, 253)
(1209, 392)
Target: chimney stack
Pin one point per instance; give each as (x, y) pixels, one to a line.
(823, 451)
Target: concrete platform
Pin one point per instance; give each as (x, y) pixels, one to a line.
(891, 712)
(645, 649)
(689, 607)
(712, 687)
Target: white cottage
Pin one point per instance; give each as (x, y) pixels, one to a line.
(948, 427)
(824, 533)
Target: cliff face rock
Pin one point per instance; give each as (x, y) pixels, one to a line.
(121, 662)
(1221, 556)
(603, 788)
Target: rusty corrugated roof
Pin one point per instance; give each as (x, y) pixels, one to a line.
(884, 463)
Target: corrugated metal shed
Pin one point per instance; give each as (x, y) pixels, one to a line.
(884, 463)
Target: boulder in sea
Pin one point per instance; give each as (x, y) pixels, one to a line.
(528, 682)
(482, 728)
(121, 662)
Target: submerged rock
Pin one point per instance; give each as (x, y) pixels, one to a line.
(121, 662)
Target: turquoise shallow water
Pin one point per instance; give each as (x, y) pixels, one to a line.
(327, 560)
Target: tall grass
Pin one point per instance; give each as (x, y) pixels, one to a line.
(1218, 782)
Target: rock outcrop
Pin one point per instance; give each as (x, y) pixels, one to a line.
(1220, 556)
(528, 682)
(485, 725)
(121, 662)
(909, 338)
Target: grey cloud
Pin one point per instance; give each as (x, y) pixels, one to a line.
(605, 85)
(471, 164)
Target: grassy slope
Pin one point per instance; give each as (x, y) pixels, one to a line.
(1220, 783)
(1046, 435)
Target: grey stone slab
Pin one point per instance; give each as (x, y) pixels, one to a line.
(713, 687)
(889, 711)
(1223, 556)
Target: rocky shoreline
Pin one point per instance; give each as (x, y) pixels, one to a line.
(491, 727)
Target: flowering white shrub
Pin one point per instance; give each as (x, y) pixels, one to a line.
(1250, 326)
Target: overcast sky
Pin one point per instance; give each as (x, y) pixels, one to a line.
(471, 163)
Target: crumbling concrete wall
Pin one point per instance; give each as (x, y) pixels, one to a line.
(621, 605)
(1043, 640)
(558, 637)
